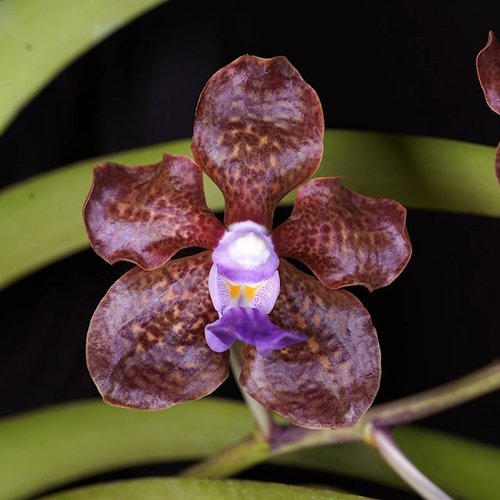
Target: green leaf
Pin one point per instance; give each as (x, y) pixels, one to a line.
(197, 489)
(443, 457)
(33, 52)
(51, 447)
(420, 172)
(40, 219)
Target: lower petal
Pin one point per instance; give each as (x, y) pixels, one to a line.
(252, 327)
(146, 347)
(330, 380)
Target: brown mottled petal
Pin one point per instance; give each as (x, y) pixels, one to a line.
(146, 346)
(258, 133)
(345, 238)
(488, 70)
(146, 214)
(328, 381)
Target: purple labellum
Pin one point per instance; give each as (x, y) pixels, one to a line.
(252, 327)
(244, 284)
(225, 294)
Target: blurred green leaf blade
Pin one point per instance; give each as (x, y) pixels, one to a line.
(53, 446)
(50, 447)
(40, 219)
(197, 489)
(38, 39)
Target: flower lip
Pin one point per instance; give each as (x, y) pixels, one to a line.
(245, 254)
(252, 327)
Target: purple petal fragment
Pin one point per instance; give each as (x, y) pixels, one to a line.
(345, 238)
(252, 327)
(258, 133)
(146, 346)
(330, 380)
(146, 214)
(488, 70)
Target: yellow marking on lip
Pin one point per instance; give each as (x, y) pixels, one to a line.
(234, 290)
(250, 291)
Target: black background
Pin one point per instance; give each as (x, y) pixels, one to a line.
(393, 66)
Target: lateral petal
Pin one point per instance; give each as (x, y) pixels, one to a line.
(343, 237)
(146, 345)
(328, 381)
(258, 133)
(146, 214)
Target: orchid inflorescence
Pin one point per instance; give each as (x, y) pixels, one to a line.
(163, 332)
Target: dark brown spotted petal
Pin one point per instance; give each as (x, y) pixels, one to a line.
(328, 381)
(146, 346)
(345, 238)
(258, 133)
(488, 70)
(146, 214)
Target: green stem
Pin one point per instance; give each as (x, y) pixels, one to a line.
(262, 417)
(418, 406)
(248, 452)
(436, 400)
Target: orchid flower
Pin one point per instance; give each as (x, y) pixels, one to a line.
(162, 334)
